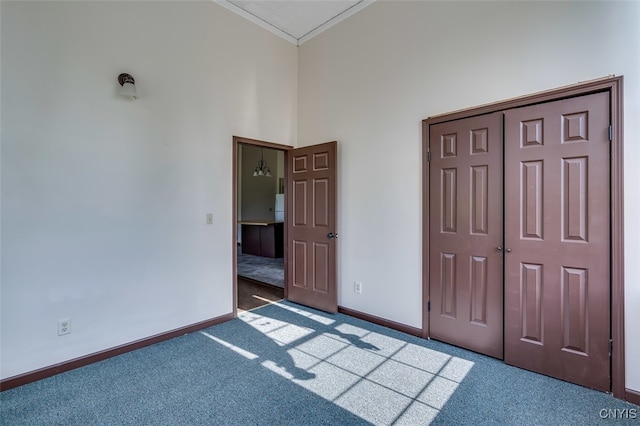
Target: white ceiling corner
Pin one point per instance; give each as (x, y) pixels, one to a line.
(296, 21)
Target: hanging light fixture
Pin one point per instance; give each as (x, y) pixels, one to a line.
(262, 169)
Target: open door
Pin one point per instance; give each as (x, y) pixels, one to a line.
(311, 226)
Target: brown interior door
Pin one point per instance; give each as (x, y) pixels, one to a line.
(311, 226)
(557, 288)
(465, 233)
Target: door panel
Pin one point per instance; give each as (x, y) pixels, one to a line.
(465, 233)
(557, 273)
(311, 254)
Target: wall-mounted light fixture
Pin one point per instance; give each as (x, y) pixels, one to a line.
(128, 84)
(262, 169)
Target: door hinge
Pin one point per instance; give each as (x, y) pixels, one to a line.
(428, 156)
(610, 132)
(429, 306)
(610, 347)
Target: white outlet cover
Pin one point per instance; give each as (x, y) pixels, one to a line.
(64, 326)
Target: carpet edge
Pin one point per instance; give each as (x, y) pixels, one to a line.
(381, 321)
(632, 396)
(52, 370)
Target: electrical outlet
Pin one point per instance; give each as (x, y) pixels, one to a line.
(209, 219)
(64, 326)
(357, 287)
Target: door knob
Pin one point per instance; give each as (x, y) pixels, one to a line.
(508, 250)
(499, 248)
(331, 235)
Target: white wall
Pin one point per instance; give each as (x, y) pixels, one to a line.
(370, 80)
(104, 200)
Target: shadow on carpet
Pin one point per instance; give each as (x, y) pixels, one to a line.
(286, 364)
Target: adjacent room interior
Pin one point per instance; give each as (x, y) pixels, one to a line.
(260, 226)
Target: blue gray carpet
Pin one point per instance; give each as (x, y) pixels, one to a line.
(263, 269)
(285, 364)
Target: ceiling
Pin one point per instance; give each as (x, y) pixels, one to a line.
(296, 21)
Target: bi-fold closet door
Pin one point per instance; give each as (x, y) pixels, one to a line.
(519, 249)
(465, 235)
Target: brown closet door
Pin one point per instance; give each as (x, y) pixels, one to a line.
(466, 233)
(557, 218)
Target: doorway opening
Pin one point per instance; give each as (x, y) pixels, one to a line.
(259, 273)
(309, 224)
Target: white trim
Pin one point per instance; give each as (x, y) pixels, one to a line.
(331, 22)
(291, 39)
(248, 16)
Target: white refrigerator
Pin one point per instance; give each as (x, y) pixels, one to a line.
(279, 208)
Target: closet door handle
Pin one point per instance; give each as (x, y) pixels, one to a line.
(508, 250)
(499, 248)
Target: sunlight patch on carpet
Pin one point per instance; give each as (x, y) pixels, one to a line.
(381, 379)
(236, 349)
(318, 318)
